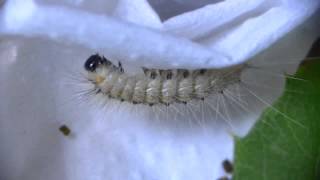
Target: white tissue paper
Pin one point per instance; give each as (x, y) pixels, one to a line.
(44, 43)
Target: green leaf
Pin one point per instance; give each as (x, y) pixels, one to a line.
(278, 148)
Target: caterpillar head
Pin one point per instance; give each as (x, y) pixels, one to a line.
(96, 66)
(96, 61)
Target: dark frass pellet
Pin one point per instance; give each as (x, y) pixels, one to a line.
(65, 130)
(227, 166)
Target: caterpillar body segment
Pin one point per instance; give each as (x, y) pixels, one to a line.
(158, 86)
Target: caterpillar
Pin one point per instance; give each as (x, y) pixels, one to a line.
(158, 86)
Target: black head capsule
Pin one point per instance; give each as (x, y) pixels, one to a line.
(94, 61)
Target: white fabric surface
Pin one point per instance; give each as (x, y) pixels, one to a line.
(43, 42)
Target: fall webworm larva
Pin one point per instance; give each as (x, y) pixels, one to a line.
(158, 86)
(209, 93)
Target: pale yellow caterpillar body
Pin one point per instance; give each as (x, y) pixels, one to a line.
(158, 86)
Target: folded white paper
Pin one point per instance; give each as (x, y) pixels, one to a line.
(153, 48)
